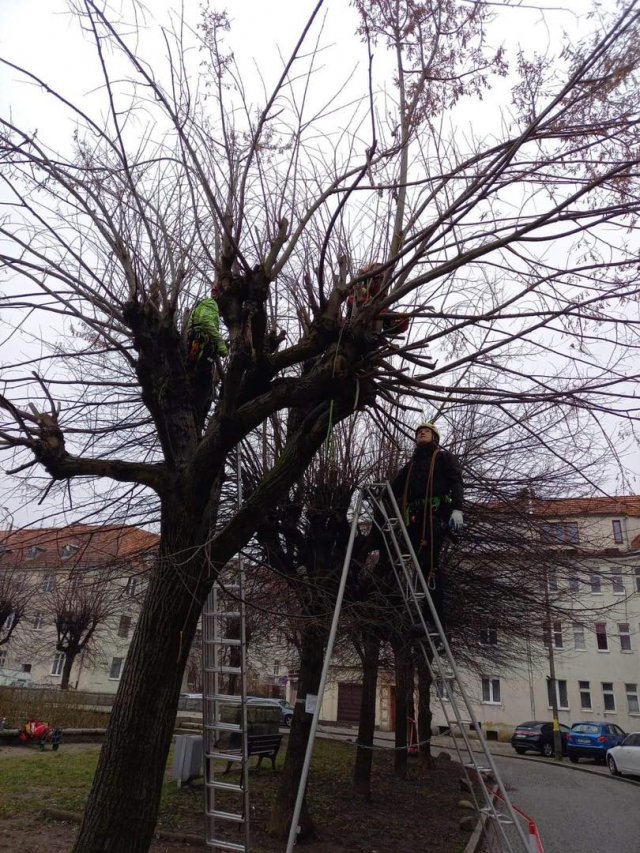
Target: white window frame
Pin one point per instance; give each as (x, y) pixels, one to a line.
(9, 622)
(595, 582)
(618, 535)
(617, 580)
(125, 620)
(633, 701)
(491, 691)
(637, 577)
(573, 584)
(579, 638)
(562, 694)
(584, 690)
(57, 663)
(38, 620)
(48, 583)
(605, 648)
(134, 584)
(624, 635)
(608, 692)
(3, 658)
(489, 635)
(119, 670)
(557, 635)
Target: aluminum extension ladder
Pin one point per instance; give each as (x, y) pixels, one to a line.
(225, 710)
(386, 515)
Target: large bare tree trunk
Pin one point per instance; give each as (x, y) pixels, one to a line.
(128, 781)
(311, 658)
(366, 729)
(424, 707)
(69, 659)
(404, 697)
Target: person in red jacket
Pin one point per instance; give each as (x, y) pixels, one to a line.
(429, 492)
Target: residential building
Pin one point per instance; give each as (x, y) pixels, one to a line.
(99, 570)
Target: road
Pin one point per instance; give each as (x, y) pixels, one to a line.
(576, 812)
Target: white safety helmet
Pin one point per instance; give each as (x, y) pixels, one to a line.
(434, 429)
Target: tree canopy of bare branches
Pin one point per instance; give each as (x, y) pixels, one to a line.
(509, 246)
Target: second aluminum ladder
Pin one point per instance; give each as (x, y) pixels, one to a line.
(225, 711)
(386, 515)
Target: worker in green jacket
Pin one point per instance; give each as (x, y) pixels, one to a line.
(205, 347)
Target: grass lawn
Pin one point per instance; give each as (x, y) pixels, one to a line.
(416, 814)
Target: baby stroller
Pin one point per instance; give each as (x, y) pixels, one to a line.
(41, 733)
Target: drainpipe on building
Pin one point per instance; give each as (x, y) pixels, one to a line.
(557, 737)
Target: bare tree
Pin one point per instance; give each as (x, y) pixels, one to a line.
(501, 250)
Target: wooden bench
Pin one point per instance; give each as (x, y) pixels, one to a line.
(264, 746)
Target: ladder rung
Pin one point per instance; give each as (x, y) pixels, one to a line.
(226, 670)
(224, 727)
(233, 816)
(223, 641)
(224, 756)
(227, 587)
(224, 698)
(219, 844)
(227, 614)
(225, 786)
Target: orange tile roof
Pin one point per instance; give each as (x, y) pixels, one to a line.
(93, 544)
(619, 505)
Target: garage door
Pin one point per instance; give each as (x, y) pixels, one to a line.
(349, 697)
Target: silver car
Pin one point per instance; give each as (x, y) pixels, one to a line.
(625, 758)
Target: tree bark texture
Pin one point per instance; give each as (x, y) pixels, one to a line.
(366, 729)
(69, 658)
(404, 696)
(311, 659)
(129, 776)
(425, 716)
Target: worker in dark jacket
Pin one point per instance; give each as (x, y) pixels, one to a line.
(429, 492)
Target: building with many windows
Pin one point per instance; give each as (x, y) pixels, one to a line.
(58, 585)
(592, 635)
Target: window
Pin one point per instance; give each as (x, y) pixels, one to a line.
(632, 698)
(607, 696)
(75, 583)
(26, 667)
(637, 574)
(617, 583)
(69, 551)
(617, 531)
(557, 635)
(559, 533)
(38, 620)
(596, 583)
(579, 642)
(562, 697)
(491, 690)
(440, 685)
(125, 626)
(116, 668)
(552, 576)
(585, 695)
(625, 636)
(33, 551)
(133, 587)
(601, 637)
(47, 583)
(3, 657)
(276, 667)
(489, 636)
(8, 622)
(574, 582)
(57, 664)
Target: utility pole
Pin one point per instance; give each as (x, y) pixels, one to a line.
(557, 736)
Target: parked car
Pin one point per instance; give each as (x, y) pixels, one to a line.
(593, 739)
(286, 710)
(537, 736)
(625, 758)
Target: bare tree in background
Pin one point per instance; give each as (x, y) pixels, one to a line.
(15, 594)
(503, 250)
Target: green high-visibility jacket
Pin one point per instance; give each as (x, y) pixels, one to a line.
(205, 320)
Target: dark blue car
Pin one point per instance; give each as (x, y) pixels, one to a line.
(592, 739)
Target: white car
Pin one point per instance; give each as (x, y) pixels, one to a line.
(625, 758)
